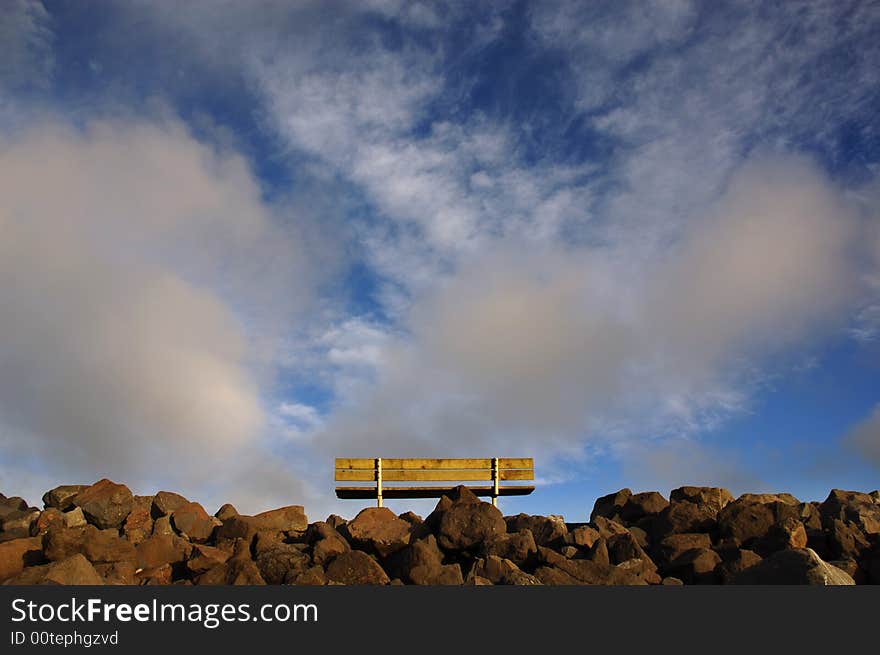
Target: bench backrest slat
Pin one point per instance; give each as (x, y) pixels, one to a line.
(425, 475)
(433, 464)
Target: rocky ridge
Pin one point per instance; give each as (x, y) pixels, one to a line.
(104, 534)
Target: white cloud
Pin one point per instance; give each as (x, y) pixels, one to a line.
(139, 279)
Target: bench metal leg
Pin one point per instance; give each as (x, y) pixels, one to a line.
(379, 481)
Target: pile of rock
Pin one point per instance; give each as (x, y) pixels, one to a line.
(103, 534)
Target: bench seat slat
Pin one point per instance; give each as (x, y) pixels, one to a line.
(401, 475)
(363, 493)
(434, 463)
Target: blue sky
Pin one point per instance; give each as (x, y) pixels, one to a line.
(638, 241)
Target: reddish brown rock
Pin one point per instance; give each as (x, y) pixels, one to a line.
(138, 524)
(96, 545)
(502, 571)
(607, 528)
(281, 563)
(117, 573)
(203, 558)
(854, 507)
(313, 576)
(609, 506)
(793, 567)
(713, 498)
(546, 530)
(165, 502)
(750, 516)
(378, 530)
(642, 505)
(675, 545)
(45, 520)
(682, 517)
(788, 533)
(585, 572)
(734, 562)
(289, 518)
(356, 568)
(193, 521)
(326, 549)
(844, 540)
(583, 536)
(695, 566)
(62, 497)
(17, 524)
(160, 575)
(74, 518)
(227, 511)
(162, 549)
(75, 570)
(520, 548)
(105, 504)
(466, 526)
(16, 554)
(599, 552)
(423, 554)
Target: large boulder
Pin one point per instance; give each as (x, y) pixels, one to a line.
(844, 540)
(75, 570)
(192, 520)
(519, 547)
(546, 530)
(682, 517)
(734, 562)
(418, 563)
(165, 502)
(465, 526)
(853, 506)
(163, 549)
(239, 569)
(291, 518)
(62, 497)
(378, 530)
(105, 503)
(641, 506)
(96, 545)
(609, 506)
(281, 563)
(138, 524)
(696, 566)
(802, 566)
(788, 533)
(501, 571)
(713, 498)
(203, 558)
(16, 554)
(356, 568)
(327, 548)
(674, 545)
(750, 517)
(17, 524)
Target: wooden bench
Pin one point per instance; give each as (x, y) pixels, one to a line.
(379, 471)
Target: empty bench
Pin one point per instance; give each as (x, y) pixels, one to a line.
(381, 470)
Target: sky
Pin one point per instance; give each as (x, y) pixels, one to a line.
(637, 241)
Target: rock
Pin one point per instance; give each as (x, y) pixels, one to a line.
(623, 548)
(378, 530)
(96, 545)
(356, 568)
(336, 521)
(320, 530)
(682, 517)
(568, 572)
(520, 548)
(609, 506)
(160, 575)
(203, 558)
(695, 566)
(289, 518)
(639, 506)
(545, 530)
(671, 582)
(193, 521)
(844, 540)
(239, 569)
(749, 517)
(74, 518)
(801, 566)
(851, 568)
(735, 561)
(162, 526)
(607, 528)
(17, 524)
(423, 554)
(105, 504)
(158, 550)
(583, 536)
(326, 549)
(118, 573)
(9, 505)
(446, 574)
(75, 570)
(412, 518)
(227, 511)
(675, 545)
(713, 498)
(853, 506)
(501, 571)
(138, 524)
(313, 576)
(875, 495)
(165, 502)
(16, 554)
(62, 497)
(599, 552)
(788, 533)
(465, 526)
(282, 563)
(645, 569)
